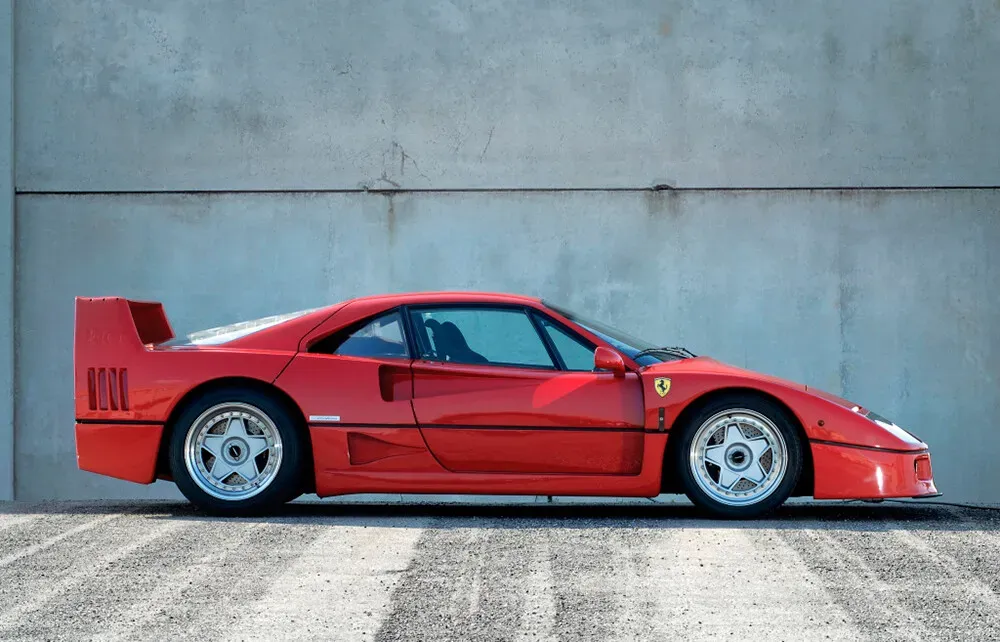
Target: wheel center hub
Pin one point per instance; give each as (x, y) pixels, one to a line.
(235, 450)
(738, 457)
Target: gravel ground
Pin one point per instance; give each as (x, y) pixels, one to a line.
(154, 571)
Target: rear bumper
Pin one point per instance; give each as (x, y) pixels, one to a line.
(853, 472)
(124, 451)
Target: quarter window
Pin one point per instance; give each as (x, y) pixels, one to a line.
(377, 338)
(489, 336)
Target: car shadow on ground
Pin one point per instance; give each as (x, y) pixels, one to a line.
(654, 515)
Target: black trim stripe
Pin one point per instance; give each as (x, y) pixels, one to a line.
(346, 424)
(556, 428)
(121, 422)
(894, 451)
(340, 424)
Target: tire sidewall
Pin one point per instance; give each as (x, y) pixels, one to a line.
(793, 442)
(287, 483)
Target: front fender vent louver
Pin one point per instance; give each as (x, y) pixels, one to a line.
(107, 388)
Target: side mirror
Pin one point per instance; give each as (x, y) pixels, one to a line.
(608, 359)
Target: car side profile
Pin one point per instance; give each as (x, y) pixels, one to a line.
(464, 393)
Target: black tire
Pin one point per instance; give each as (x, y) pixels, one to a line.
(782, 489)
(288, 480)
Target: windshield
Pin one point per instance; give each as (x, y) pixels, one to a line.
(621, 341)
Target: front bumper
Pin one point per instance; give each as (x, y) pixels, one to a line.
(125, 451)
(855, 472)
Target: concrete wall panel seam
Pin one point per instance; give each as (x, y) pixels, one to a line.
(510, 190)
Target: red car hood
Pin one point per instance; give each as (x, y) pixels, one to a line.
(710, 366)
(840, 401)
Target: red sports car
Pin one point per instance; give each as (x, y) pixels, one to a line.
(450, 392)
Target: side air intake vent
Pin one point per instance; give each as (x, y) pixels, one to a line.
(107, 388)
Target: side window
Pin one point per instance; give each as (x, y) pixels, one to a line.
(575, 354)
(488, 336)
(379, 337)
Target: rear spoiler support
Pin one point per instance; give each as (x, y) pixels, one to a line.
(150, 322)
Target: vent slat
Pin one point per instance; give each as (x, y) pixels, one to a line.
(91, 389)
(113, 388)
(123, 387)
(102, 389)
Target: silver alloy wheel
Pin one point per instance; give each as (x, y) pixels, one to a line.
(233, 451)
(738, 457)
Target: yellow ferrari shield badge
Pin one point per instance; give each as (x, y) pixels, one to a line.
(662, 385)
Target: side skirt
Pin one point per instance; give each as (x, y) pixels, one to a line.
(344, 468)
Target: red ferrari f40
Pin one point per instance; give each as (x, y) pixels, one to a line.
(460, 393)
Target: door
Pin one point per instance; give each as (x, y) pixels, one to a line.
(354, 389)
(503, 389)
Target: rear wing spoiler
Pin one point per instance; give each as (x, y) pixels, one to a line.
(110, 336)
(118, 322)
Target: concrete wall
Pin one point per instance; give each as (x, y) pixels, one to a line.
(6, 249)
(885, 297)
(159, 145)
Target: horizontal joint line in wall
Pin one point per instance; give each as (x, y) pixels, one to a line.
(487, 190)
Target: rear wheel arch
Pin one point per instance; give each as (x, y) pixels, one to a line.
(670, 482)
(235, 383)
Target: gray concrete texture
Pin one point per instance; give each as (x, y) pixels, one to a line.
(6, 250)
(886, 297)
(133, 571)
(152, 95)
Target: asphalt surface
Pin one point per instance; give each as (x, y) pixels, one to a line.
(155, 571)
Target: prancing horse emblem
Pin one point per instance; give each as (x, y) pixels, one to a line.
(662, 385)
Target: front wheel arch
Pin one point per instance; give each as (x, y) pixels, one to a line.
(670, 482)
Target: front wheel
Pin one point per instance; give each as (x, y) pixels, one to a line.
(236, 451)
(740, 456)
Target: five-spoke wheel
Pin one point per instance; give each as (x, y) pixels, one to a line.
(740, 456)
(236, 451)
(233, 451)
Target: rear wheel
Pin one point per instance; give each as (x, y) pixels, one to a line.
(740, 456)
(237, 451)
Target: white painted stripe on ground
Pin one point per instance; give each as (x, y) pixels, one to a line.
(959, 580)
(898, 618)
(52, 541)
(340, 586)
(539, 620)
(719, 583)
(636, 613)
(207, 555)
(86, 569)
(11, 520)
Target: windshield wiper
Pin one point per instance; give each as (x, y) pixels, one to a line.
(673, 351)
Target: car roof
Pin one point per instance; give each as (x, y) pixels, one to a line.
(454, 296)
(286, 335)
